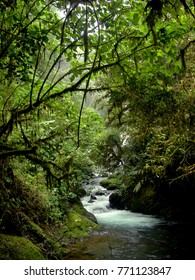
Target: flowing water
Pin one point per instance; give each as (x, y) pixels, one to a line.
(127, 235)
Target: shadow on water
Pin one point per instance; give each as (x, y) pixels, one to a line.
(168, 242)
(127, 235)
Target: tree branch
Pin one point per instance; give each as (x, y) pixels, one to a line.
(22, 152)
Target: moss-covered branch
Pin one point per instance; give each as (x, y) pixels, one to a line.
(22, 152)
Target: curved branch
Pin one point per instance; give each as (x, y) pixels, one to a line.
(22, 152)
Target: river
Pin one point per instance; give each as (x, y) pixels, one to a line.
(131, 236)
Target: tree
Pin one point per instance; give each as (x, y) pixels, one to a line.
(40, 123)
(152, 107)
(132, 50)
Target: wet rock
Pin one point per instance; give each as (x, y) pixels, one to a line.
(82, 192)
(92, 198)
(117, 201)
(100, 193)
(91, 217)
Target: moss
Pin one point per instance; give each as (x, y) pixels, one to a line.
(51, 241)
(111, 183)
(32, 229)
(79, 226)
(145, 200)
(18, 248)
(43, 239)
(82, 211)
(117, 200)
(52, 248)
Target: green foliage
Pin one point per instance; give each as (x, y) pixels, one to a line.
(136, 58)
(150, 98)
(107, 148)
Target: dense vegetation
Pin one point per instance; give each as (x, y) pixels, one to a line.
(87, 86)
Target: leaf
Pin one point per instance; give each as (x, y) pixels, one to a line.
(160, 53)
(136, 18)
(137, 187)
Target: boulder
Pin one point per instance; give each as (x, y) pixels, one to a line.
(110, 183)
(116, 200)
(18, 248)
(102, 192)
(92, 198)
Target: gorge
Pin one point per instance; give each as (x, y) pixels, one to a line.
(128, 235)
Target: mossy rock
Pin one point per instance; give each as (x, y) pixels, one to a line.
(82, 211)
(117, 200)
(145, 201)
(33, 230)
(18, 248)
(79, 226)
(49, 245)
(111, 183)
(52, 248)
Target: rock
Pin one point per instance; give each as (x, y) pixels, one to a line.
(18, 248)
(92, 198)
(82, 211)
(110, 184)
(118, 201)
(91, 217)
(100, 193)
(82, 192)
(79, 226)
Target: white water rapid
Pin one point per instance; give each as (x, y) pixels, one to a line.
(130, 236)
(97, 202)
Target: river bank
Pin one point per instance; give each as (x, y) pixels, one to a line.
(49, 241)
(130, 235)
(92, 229)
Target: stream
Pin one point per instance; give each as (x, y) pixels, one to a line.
(131, 236)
